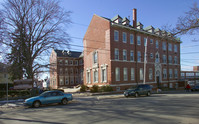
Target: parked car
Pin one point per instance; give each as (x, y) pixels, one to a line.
(195, 88)
(143, 89)
(48, 97)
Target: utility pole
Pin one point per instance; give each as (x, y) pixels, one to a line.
(145, 60)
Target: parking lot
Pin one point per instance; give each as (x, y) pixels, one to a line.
(180, 108)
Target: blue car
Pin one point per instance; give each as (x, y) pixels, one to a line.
(48, 97)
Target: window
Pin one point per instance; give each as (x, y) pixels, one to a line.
(175, 60)
(157, 58)
(76, 62)
(164, 45)
(150, 74)
(170, 73)
(71, 70)
(95, 76)
(151, 55)
(66, 80)
(170, 47)
(125, 74)
(71, 80)
(164, 59)
(131, 39)
(170, 59)
(61, 81)
(103, 75)
(66, 62)
(66, 71)
(164, 73)
(151, 41)
(95, 57)
(138, 40)
(116, 35)
(131, 56)
(124, 37)
(71, 62)
(60, 61)
(5, 75)
(124, 55)
(132, 74)
(61, 71)
(76, 71)
(175, 48)
(141, 74)
(145, 40)
(157, 44)
(116, 54)
(117, 74)
(88, 76)
(176, 73)
(76, 80)
(139, 56)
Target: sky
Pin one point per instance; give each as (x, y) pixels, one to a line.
(149, 12)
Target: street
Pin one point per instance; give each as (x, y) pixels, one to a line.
(157, 109)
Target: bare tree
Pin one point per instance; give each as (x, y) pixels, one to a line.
(32, 28)
(187, 24)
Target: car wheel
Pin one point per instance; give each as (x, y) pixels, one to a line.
(148, 93)
(64, 101)
(136, 94)
(36, 104)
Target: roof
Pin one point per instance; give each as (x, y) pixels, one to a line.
(64, 53)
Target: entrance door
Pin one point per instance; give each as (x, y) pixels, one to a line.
(158, 78)
(158, 81)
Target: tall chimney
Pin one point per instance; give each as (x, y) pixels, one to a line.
(135, 18)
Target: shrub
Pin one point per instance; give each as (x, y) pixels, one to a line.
(106, 88)
(95, 88)
(83, 88)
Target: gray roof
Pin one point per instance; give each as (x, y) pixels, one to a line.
(71, 54)
(116, 17)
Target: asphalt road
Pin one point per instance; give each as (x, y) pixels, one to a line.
(156, 109)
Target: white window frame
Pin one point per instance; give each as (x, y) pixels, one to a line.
(164, 59)
(124, 55)
(131, 39)
(117, 56)
(95, 76)
(151, 41)
(164, 46)
(117, 74)
(157, 44)
(88, 76)
(131, 55)
(116, 35)
(125, 74)
(139, 56)
(138, 40)
(164, 73)
(176, 73)
(132, 74)
(150, 74)
(170, 47)
(175, 48)
(141, 74)
(124, 37)
(104, 75)
(170, 73)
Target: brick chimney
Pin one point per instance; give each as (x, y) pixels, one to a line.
(135, 18)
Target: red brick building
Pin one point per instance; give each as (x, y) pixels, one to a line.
(195, 68)
(66, 68)
(114, 54)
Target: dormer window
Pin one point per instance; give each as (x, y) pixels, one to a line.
(139, 26)
(158, 31)
(125, 21)
(149, 29)
(117, 19)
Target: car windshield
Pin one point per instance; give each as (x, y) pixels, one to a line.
(44, 94)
